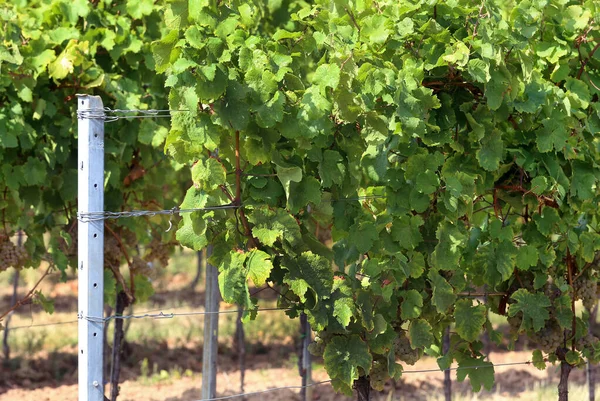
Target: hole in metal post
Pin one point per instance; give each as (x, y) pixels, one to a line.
(95, 334)
(82, 351)
(95, 235)
(82, 103)
(95, 285)
(95, 185)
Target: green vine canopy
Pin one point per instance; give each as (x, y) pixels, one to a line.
(444, 148)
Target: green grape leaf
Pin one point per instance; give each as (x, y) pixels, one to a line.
(308, 190)
(163, 51)
(492, 149)
(590, 244)
(287, 174)
(259, 266)
(480, 372)
(332, 168)
(547, 220)
(271, 112)
(419, 333)
(527, 256)
(137, 9)
(443, 294)
(343, 310)
(271, 226)
(143, 288)
(539, 185)
(309, 271)
(583, 183)
(412, 304)
(327, 75)
(343, 356)
(40, 299)
(459, 54)
(563, 312)
(448, 251)
(110, 287)
(233, 281)
(406, 231)
(375, 29)
(496, 262)
(363, 235)
(208, 174)
(533, 306)
(538, 360)
(470, 319)
(573, 358)
(479, 70)
(192, 232)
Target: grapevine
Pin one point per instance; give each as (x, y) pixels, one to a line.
(447, 148)
(52, 50)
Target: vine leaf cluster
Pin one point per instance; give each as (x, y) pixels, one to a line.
(471, 129)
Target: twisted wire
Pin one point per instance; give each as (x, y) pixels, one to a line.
(109, 115)
(169, 315)
(87, 217)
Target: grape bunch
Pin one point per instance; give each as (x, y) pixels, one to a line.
(379, 374)
(585, 289)
(317, 347)
(515, 324)
(11, 255)
(112, 252)
(404, 351)
(140, 266)
(550, 337)
(159, 251)
(586, 341)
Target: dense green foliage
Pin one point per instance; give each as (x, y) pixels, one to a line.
(467, 130)
(49, 51)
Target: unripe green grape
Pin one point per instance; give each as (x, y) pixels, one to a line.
(404, 351)
(585, 289)
(515, 323)
(11, 255)
(378, 375)
(550, 337)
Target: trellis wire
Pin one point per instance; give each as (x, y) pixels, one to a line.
(170, 315)
(43, 325)
(227, 397)
(89, 217)
(144, 315)
(99, 216)
(103, 114)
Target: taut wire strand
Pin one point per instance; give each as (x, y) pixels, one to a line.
(169, 315)
(227, 397)
(87, 217)
(109, 115)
